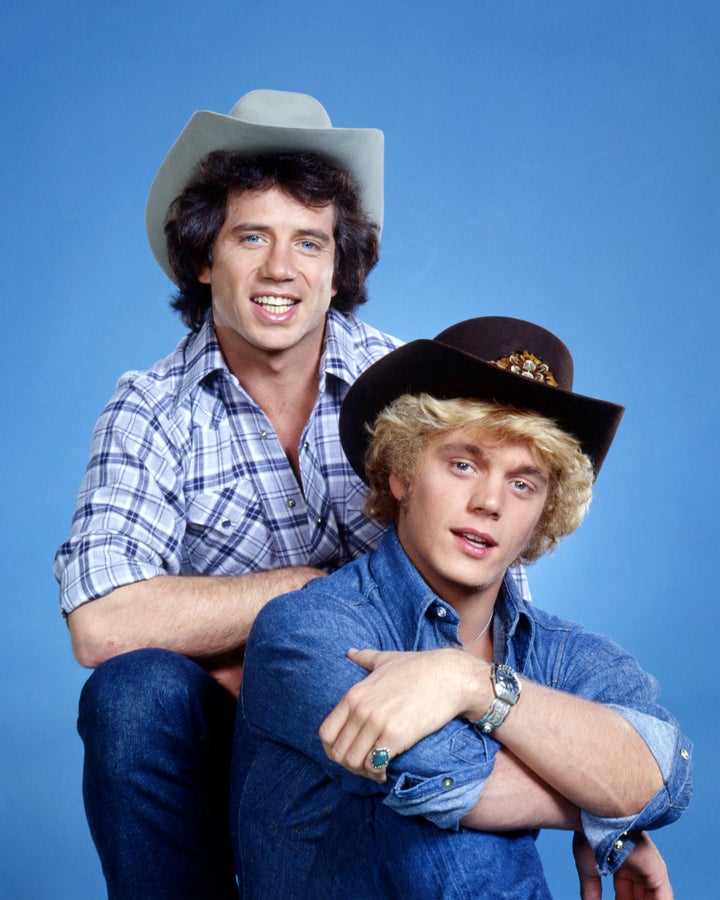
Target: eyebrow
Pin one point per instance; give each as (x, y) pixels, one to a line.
(462, 447)
(532, 472)
(479, 452)
(242, 227)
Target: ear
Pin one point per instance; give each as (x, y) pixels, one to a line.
(398, 488)
(204, 276)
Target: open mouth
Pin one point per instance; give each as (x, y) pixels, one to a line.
(275, 304)
(481, 541)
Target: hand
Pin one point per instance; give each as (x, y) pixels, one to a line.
(407, 696)
(227, 670)
(643, 875)
(229, 677)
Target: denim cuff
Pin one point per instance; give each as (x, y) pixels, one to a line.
(444, 797)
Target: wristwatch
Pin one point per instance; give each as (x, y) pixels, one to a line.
(507, 693)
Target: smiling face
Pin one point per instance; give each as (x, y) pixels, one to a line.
(469, 512)
(272, 275)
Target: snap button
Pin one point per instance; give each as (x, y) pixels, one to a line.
(441, 612)
(290, 503)
(447, 782)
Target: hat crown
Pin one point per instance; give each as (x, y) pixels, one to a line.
(491, 359)
(493, 338)
(265, 121)
(282, 109)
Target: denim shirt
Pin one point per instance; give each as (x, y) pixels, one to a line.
(298, 646)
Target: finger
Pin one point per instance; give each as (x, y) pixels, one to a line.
(355, 756)
(367, 658)
(334, 723)
(590, 888)
(377, 762)
(348, 736)
(356, 742)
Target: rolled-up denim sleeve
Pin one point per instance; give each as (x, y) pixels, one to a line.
(299, 648)
(442, 777)
(594, 667)
(611, 839)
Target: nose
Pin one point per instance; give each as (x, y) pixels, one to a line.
(278, 262)
(487, 498)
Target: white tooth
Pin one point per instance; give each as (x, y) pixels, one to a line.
(274, 303)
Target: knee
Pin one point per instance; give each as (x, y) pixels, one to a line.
(143, 687)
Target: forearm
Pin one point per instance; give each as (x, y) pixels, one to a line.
(203, 617)
(515, 798)
(583, 752)
(588, 753)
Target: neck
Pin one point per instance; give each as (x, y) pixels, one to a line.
(284, 384)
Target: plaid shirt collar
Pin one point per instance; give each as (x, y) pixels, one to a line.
(204, 356)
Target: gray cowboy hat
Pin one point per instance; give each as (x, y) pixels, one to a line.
(265, 121)
(490, 358)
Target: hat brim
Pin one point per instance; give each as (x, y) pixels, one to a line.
(358, 150)
(425, 366)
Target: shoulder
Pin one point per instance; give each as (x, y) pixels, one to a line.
(166, 391)
(367, 344)
(583, 662)
(166, 377)
(322, 607)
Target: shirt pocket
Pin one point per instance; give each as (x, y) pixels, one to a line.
(227, 532)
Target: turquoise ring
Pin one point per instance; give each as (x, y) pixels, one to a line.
(380, 757)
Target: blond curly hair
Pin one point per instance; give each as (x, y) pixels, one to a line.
(403, 430)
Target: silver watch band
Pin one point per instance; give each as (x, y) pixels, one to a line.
(495, 716)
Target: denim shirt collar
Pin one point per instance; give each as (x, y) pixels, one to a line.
(412, 598)
(413, 601)
(514, 629)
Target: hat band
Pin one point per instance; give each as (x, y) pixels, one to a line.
(527, 365)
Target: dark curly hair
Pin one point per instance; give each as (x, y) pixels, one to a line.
(197, 214)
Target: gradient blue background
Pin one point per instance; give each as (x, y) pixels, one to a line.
(556, 161)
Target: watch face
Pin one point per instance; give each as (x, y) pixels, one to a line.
(507, 685)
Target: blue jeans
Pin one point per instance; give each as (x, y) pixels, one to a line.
(158, 731)
(372, 852)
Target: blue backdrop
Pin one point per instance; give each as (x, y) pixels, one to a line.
(554, 161)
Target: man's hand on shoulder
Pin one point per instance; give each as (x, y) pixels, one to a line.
(205, 617)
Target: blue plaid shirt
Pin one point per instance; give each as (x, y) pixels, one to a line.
(187, 476)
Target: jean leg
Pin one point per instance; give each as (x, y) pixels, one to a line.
(371, 851)
(157, 731)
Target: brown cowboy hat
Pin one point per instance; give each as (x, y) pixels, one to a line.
(492, 358)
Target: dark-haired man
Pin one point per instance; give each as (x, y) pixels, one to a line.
(416, 695)
(216, 479)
